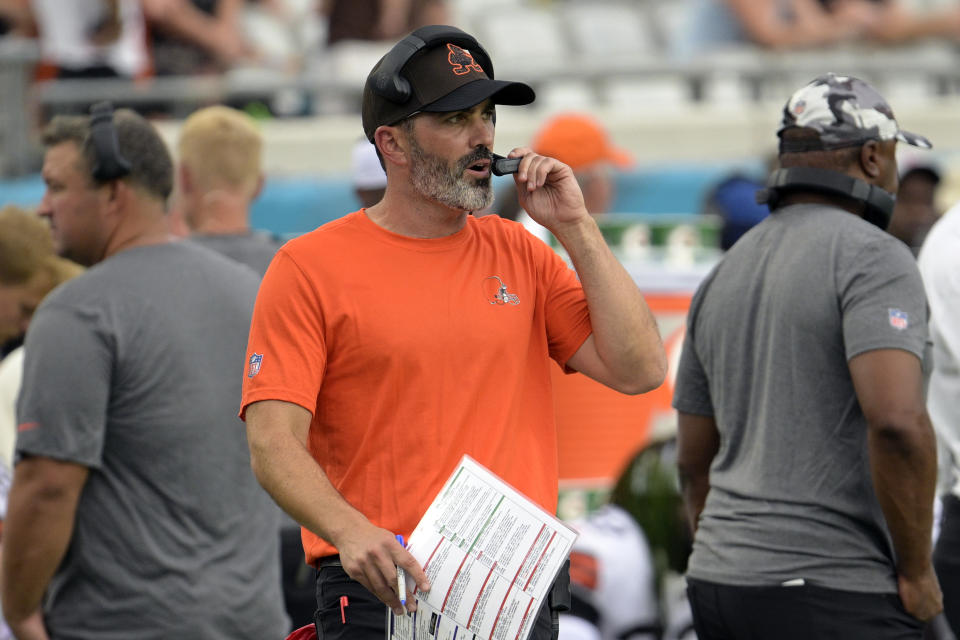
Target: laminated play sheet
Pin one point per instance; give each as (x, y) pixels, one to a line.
(491, 556)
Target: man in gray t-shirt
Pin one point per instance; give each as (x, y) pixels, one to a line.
(134, 512)
(805, 451)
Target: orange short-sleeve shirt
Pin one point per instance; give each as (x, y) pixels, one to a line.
(410, 353)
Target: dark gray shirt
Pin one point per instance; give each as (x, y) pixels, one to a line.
(134, 370)
(254, 249)
(770, 334)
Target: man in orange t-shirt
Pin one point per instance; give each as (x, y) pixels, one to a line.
(390, 342)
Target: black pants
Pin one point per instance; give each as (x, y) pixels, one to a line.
(946, 560)
(724, 612)
(365, 617)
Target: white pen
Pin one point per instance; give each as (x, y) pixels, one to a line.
(401, 577)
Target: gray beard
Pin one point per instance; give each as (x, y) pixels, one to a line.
(434, 179)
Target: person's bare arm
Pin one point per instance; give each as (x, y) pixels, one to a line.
(811, 25)
(898, 25)
(41, 510)
(18, 14)
(624, 351)
(277, 435)
(697, 444)
(903, 462)
(218, 34)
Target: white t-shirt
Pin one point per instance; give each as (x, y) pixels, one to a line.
(611, 570)
(65, 29)
(11, 373)
(939, 263)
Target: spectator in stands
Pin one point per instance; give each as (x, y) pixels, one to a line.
(369, 179)
(219, 175)
(916, 209)
(92, 38)
(195, 36)
(380, 19)
(29, 269)
(793, 24)
(133, 475)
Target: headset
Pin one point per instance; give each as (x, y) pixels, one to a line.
(387, 81)
(878, 203)
(110, 163)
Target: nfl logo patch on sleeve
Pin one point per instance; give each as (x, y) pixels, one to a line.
(257, 359)
(898, 319)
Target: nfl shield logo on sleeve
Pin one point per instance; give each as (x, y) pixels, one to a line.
(898, 319)
(255, 361)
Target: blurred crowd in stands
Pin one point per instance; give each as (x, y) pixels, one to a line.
(141, 39)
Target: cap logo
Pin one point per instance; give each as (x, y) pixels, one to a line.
(799, 107)
(462, 60)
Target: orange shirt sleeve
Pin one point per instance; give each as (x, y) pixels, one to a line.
(286, 352)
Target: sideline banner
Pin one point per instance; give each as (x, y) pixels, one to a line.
(600, 429)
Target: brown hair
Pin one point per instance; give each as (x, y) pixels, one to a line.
(151, 166)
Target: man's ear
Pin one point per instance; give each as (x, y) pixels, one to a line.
(871, 159)
(392, 143)
(184, 179)
(116, 196)
(259, 188)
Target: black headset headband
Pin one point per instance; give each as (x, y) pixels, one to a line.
(110, 164)
(878, 203)
(387, 81)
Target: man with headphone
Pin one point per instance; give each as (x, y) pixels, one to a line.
(380, 353)
(806, 455)
(133, 511)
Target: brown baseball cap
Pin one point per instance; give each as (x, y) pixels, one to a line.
(442, 76)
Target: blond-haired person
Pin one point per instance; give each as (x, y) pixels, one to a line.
(219, 175)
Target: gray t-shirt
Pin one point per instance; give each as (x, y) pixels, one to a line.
(134, 369)
(769, 336)
(253, 249)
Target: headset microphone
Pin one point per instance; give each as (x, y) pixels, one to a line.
(878, 203)
(502, 166)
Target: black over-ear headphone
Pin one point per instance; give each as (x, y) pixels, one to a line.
(387, 81)
(878, 203)
(109, 164)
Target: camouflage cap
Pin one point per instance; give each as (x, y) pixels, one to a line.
(845, 111)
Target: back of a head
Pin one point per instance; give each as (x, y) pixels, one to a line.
(826, 126)
(138, 148)
(648, 489)
(25, 243)
(222, 148)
